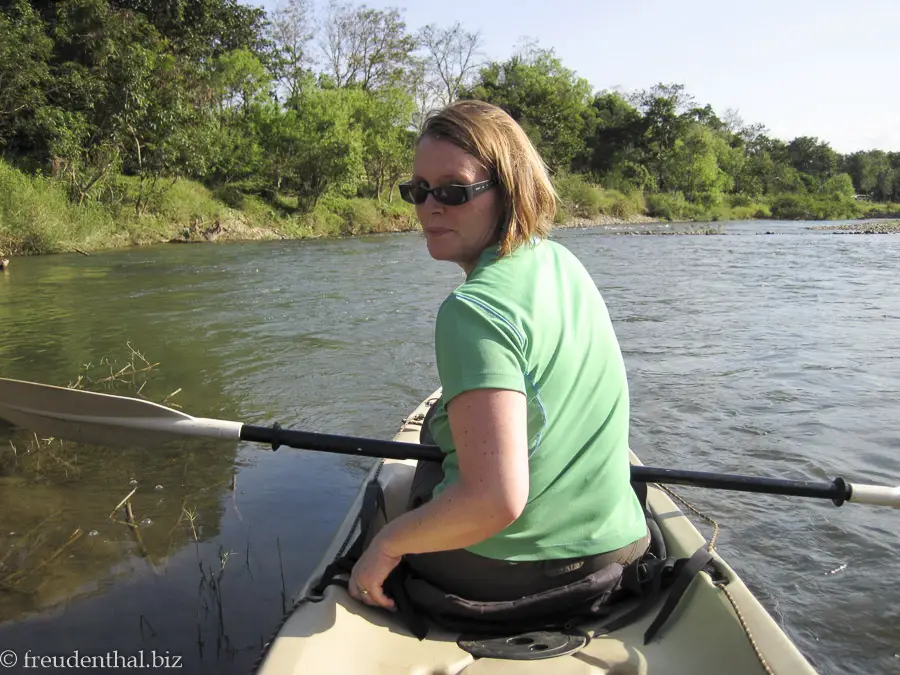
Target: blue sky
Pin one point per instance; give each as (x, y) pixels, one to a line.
(800, 67)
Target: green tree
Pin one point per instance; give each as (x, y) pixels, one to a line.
(839, 187)
(871, 172)
(613, 143)
(121, 101)
(201, 30)
(549, 101)
(384, 118)
(239, 79)
(693, 166)
(24, 71)
(312, 146)
(665, 119)
(813, 157)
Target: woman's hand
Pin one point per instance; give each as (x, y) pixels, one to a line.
(369, 574)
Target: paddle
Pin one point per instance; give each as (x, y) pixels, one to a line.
(106, 419)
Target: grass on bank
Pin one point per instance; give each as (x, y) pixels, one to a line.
(582, 199)
(37, 215)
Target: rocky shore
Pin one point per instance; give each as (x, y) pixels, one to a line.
(868, 227)
(603, 219)
(641, 224)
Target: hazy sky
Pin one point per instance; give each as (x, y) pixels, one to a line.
(826, 68)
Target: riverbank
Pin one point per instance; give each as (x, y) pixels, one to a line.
(38, 216)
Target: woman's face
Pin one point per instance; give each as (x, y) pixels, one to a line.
(455, 233)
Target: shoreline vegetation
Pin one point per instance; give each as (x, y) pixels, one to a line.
(125, 122)
(37, 217)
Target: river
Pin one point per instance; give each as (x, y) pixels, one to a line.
(773, 355)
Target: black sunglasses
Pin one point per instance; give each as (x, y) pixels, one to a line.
(448, 195)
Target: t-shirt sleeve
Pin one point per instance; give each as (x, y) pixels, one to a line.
(476, 348)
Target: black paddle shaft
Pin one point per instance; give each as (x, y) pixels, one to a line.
(837, 491)
(344, 445)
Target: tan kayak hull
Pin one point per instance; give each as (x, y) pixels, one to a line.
(703, 636)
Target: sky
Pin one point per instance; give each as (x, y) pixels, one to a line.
(823, 68)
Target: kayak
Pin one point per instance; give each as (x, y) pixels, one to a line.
(717, 625)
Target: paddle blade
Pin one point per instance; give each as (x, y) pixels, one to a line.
(101, 419)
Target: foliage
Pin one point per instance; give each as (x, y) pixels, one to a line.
(111, 104)
(547, 99)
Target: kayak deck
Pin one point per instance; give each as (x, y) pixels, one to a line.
(704, 635)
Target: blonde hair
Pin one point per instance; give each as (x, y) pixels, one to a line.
(494, 138)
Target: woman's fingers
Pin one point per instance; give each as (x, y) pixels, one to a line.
(377, 597)
(374, 598)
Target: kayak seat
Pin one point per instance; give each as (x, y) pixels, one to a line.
(539, 626)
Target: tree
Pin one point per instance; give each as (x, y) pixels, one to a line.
(115, 99)
(103, 67)
(871, 172)
(291, 31)
(313, 145)
(422, 88)
(666, 118)
(238, 80)
(451, 59)
(201, 30)
(385, 117)
(613, 142)
(813, 157)
(365, 47)
(25, 51)
(693, 167)
(839, 186)
(548, 100)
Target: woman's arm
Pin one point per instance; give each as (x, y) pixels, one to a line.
(489, 428)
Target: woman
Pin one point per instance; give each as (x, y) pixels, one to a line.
(534, 491)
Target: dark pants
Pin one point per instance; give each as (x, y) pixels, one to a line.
(475, 577)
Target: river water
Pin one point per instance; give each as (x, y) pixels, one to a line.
(772, 355)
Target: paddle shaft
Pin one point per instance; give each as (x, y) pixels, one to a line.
(838, 491)
(106, 419)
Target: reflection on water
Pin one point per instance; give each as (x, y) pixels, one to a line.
(77, 517)
(769, 355)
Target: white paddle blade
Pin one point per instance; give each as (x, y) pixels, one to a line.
(879, 495)
(101, 419)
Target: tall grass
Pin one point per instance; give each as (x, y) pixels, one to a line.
(582, 199)
(37, 216)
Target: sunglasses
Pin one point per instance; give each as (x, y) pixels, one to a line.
(448, 195)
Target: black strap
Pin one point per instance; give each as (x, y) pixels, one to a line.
(409, 615)
(685, 576)
(640, 489)
(657, 540)
(656, 571)
(339, 571)
(372, 504)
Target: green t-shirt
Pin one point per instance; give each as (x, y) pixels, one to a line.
(535, 322)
